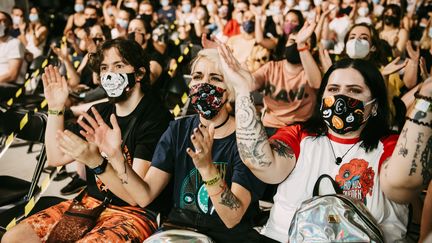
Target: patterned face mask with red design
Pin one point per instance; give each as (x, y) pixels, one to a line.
(206, 99)
(343, 114)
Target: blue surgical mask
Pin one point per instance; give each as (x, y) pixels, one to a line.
(79, 8)
(376, 1)
(122, 23)
(186, 8)
(33, 17)
(248, 26)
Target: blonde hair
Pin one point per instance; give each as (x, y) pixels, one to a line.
(212, 55)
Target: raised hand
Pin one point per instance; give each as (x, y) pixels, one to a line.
(233, 71)
(55, 88)
(98, 132)
(324, 58)
(414, 54)
(393, 66)
(426, 88)
(202, 140)
(305, 32)
(79, 149)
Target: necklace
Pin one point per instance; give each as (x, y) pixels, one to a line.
(338, 160)
(223, 123)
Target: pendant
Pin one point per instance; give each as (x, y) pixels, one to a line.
(338, 160)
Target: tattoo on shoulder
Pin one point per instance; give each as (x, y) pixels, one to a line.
(229, 199)
(282, 149)
(251, 135)
(426, 162)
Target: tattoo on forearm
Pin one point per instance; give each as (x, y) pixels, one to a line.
(403, 138)
(251, 136)
(419, 142)
(281, 148)
(124, 176)
(229, 199)
(426, 162)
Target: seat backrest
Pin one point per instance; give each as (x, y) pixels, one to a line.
(13, 121)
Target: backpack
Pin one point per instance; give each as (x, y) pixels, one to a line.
(333, 218)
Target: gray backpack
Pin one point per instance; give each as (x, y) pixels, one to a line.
(333, 218)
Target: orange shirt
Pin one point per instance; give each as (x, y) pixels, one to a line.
(287, 96)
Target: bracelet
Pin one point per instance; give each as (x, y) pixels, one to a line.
(219, 192)
(419, 96)
(100, 168)
(56, 112)
(306, 47)
(213, 181)
(426, 124)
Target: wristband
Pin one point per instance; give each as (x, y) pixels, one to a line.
(304, 48)
(56, 112)
(426, 124)
(213, 181)
(100, 168)
(423, 105)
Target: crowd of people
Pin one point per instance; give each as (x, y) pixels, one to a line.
(281, 92)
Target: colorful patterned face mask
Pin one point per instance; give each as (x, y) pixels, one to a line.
(342, 113)
(206, 99)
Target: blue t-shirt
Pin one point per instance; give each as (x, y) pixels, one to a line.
(189, 190)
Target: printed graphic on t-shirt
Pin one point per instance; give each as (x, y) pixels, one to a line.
(285, 95)
(193, 193)
(356, 179)
(100, 185)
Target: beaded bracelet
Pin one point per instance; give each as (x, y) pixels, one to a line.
(426, 124)
(219, 192)
(419, 96)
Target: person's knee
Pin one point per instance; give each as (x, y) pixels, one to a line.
(20, 233)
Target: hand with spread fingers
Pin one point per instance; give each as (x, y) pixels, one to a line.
(394, 66)
(202, 140)
(98, 132)
(234, 72)
(79, 149)
(55, 88)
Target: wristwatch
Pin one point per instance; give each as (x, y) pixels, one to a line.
(100, 168)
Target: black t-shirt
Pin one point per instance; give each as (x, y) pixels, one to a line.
(426, 54)
(189, 190)
(152, 119)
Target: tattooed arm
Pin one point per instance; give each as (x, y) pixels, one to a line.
(271, 162)
(410, 166)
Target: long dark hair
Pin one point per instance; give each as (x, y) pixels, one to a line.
(380, 56)
(377, 126)
(131, 53)
(279, 52)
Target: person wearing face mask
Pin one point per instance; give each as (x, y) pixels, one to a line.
(35, 34)
(363, 13)
(290, 83)
(146, 13)
(77, 19)
(348, 138)
(121, 23)
(233, 26)
(11, 54)
(166, 14)
(243, 43)
(213, 191)
(132, 4)
(268, 28)
(391, 31)
(140, 120)
(17, 20)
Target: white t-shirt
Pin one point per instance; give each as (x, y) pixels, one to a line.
(10, 49)
(357, 175)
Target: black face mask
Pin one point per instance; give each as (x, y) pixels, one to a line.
(292, 55)
(391, 20)
(146, 18)
(90, 22)
(138, 37)
(345, 11)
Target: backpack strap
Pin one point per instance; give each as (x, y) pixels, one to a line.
(318, 182)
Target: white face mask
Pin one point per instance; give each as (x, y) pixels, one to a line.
(2, 30)
(317, 3)
(115, 84)
(290, 3)
(363, 11)
(357, 48)
(304, 5)
(16, 20)
(430, 33)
